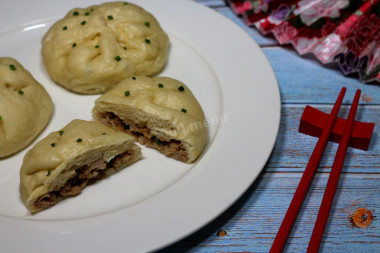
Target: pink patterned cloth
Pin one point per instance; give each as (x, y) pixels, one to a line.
(342, 31)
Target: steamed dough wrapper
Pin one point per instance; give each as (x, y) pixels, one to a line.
(159, 112)
(90, 50)
(25, 107)
(64, 162)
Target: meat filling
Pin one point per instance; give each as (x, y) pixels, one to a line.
(142, 134)
(84, 175)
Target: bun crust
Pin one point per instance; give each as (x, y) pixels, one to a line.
(63, 163)
(92, 49)
(159, 112)
(25, 107)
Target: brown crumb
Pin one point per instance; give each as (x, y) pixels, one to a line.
(221, 233)
(362, 217)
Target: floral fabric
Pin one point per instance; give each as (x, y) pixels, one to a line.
(342, 31)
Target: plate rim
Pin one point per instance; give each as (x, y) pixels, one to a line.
(57, 230)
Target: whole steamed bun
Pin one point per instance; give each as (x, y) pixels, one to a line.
(25, 107)
(92, 49)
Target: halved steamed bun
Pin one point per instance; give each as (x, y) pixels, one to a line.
(159, 112)
(25, 107)
(66, 161)
(92, 49)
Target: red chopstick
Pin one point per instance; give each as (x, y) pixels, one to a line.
(332, 183)
(307, 177)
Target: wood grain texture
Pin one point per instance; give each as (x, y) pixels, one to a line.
(252, 222)
(303, 80)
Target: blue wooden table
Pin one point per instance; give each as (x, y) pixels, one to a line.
(251, 224)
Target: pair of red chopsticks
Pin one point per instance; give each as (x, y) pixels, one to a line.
(308, 175)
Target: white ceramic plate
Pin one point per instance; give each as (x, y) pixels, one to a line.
(158, 200)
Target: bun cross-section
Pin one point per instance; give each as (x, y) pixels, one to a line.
(160, 112)
(64, 162)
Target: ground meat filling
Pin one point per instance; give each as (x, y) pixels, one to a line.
(142, 134)
(84, 175)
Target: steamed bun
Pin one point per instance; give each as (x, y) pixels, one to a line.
(25, 107)
(92, 49)
(160, 112)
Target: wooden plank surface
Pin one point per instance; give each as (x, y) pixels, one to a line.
(252, 222)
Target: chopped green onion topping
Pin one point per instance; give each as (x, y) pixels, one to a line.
(92, 9)
(133, 77)
(87, 13)
(160, 85)
(125, 48)
(127, 93)
(64, 28)
(181, 88)
(1, 118)
(97, 46)
(184, 110)
(75, 13)
(79, 140)
(12, 67)
(147, 24)
(117, 58)
(104, 133)
(48, 173)
(61, 132)
(110, 17)
(83, 22)
(125, 3)
(53, 144)
(21, 92)
(126, 126)
(158, 141)
(74, 44)
(147, 41)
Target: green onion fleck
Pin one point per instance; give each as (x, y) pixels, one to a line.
(61, 132)
(110, 17)
(184, 110)
(1, 118)
(181, 88)
(79, 140)
(83, 22)
(147, 24)
(104, 133)
(158, 141)
(87, 13)
(127, 93)
(75, 13)
(147, 41)
(92, 9)
(97, 46)
(74, 44)
(117, 58)
(160, 85)
(64, 28)
(48, 173)
(125, 3)
(125, 48)
(21, 92)
(12, 67)
(133, 77)
(53, 144)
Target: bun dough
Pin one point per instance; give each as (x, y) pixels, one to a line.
(62, 163)
(90, 50)
(159, 112)
(25, 107)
